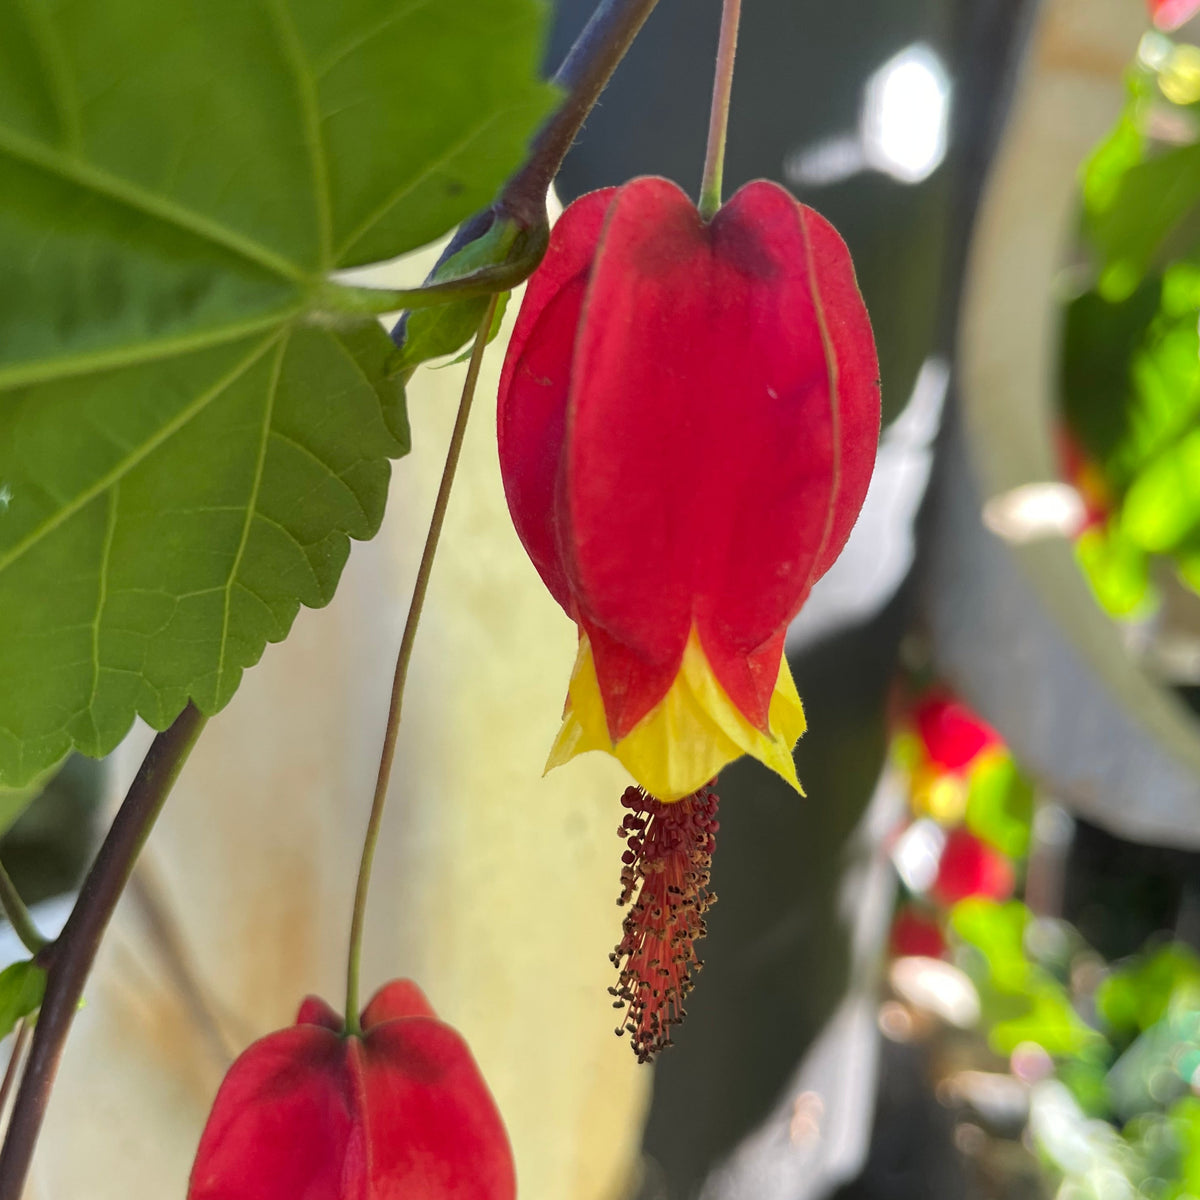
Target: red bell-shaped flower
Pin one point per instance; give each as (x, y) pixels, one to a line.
(311, 1113)
(688, 418)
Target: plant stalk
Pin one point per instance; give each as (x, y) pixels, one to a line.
(69, 959)
(718, 118)
(403, 658)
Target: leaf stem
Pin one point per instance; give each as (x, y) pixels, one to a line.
(69, 959)
(485, 281)
(718, 118)
(392, 729)
(18, 915)
(583, 75)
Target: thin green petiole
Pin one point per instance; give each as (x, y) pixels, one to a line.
(718, 120)
(18, 915)
(424, 570)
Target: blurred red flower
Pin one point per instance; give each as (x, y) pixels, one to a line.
(1170, 14)
(399, 1112)
(952, 735)
(969, 867)
(915, 933)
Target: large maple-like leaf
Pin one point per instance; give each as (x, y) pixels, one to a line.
(193, 419)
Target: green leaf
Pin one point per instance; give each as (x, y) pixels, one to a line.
(1021, 1001)
(1117, 569)
(193, 419)
(1049, 1020)
(22, 985)
(1123, 147)
(997, 931)
(1162, 507)
(1086, 1075)
(1148, 204)
(1100, 339)
(1000, 805)
(1137, 996)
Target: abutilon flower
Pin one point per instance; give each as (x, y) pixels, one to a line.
(687, 423)
(399, 1112)
(688, 417)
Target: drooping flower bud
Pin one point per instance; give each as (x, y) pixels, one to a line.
(688, 418)
(313, 1112)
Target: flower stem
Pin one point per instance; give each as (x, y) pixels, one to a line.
(14, 1063)
(18, 915)
(718, 119)
(69, 959)
(420, 587)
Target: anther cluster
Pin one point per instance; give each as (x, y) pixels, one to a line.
(666, 866)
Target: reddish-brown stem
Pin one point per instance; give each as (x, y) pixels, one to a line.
(68, 960)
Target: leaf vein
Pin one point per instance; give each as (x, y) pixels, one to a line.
(351, 44)
(122, 468)
(88, 175)
(101, 600)
(251, 508)
(431, 167)
(58, 75)
(112, 359)
(310, 117)
(315, 457)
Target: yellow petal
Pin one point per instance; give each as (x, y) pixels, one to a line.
(687, 738)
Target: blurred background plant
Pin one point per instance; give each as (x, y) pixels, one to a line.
(1068, 1073)
(1130, 366)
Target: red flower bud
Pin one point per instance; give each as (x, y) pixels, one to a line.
(313, 1112)
(688, 418)
(969, 867)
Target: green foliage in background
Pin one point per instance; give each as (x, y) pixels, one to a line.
(195, 418)
(1022, 1001)
(1131, 352)
(1120, 1103)
(1000, 804)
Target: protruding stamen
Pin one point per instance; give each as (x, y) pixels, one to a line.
(665, 873)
